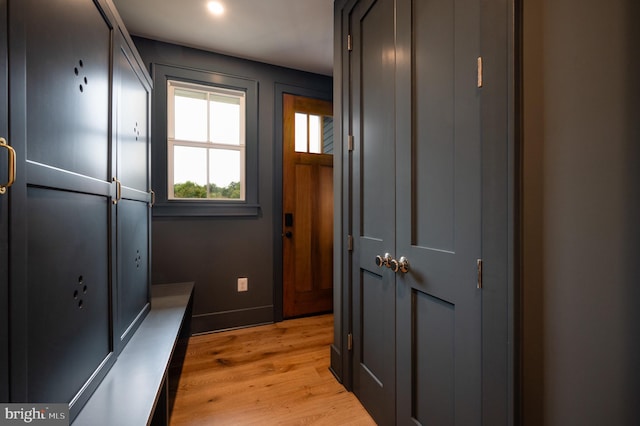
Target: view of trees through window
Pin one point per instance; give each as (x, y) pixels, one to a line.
(193, 190)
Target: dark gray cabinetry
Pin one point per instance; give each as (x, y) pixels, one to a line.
(131, 112)
(4, 206)
(78, 213)
(66, 322)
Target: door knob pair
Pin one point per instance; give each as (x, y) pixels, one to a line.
(401, 265)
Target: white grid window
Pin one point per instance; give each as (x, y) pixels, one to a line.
(206, 134)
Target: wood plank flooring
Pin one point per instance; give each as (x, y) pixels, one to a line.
(275, 374)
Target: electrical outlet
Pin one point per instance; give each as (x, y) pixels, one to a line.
(243, 284)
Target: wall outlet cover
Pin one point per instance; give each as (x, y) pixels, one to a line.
(243, 284)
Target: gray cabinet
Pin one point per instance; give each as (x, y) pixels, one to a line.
(4, 209)
(133, 220)
(78, 212)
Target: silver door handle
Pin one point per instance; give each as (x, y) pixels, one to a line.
(384, 261)
(401, 265)
(393, 265)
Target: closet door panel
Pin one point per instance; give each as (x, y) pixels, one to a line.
(433, 158)
(132, 93)
(68, 75)
(434, 368)
(438, 228)
(68, 334)
(132, 124)
(133, 273)
(372, 62)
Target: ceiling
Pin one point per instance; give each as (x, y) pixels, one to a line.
(291, 33)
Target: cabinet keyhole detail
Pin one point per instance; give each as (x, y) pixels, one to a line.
(136, 131)
(82, 287)
(83, 81)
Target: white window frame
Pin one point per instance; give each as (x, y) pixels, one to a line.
(208, 145)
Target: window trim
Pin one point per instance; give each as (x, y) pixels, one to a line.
(202, 207)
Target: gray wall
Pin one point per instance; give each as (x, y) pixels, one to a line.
(581, 213)
(215, 251)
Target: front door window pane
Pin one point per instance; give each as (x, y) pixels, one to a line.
(327, 138)
(315, 134)
(301, 132)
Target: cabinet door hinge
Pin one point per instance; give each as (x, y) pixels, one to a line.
(349, 43)
(350, 143)
(479, 71)
(350, 242)
(479, 269)
(349, 341)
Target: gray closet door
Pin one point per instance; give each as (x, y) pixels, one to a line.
(438, 214)
(416, 194)
(373, 198)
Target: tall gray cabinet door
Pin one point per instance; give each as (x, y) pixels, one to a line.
(133, 267)
(373, 286)
(4, 212)
(132, 122)
(438, 222)
(60, 211)
(132, 208)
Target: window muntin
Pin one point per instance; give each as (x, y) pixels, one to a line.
(206, 129)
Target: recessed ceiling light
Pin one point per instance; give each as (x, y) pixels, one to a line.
(216, 8)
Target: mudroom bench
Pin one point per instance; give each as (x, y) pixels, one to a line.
(135, 392)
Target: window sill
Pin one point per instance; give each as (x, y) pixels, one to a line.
(199, 209)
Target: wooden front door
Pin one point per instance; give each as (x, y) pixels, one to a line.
(416, 216)
(308, 206)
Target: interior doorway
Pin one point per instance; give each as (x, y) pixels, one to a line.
(307, 205)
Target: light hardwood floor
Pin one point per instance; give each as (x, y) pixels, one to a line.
(275, 374)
